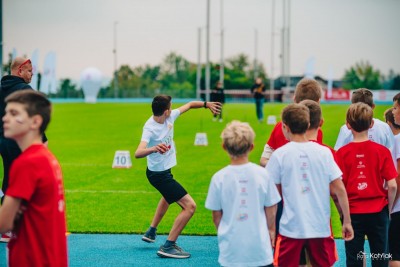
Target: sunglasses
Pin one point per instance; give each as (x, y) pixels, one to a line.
(28, 61)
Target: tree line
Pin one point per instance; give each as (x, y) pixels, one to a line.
(176, 76)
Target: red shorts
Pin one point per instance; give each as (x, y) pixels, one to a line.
(321, 251)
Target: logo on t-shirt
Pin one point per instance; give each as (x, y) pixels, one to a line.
(362, 186)
(360, 165)
(361, 176)
(242, 217)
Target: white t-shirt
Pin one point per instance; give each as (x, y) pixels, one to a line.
(242, 192)
(155, 133)
(304, 171)
(396, 206)
(379, 133)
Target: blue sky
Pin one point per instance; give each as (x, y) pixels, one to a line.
(336, 33)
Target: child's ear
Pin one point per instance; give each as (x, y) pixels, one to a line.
(251, 147)
(223, 146)
(348, 125)
(372, 123)
(321, 122)
(37, 121)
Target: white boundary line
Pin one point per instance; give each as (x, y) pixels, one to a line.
(73, 191)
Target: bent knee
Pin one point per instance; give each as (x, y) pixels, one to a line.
(190, 207)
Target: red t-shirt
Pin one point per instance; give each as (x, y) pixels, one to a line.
(39, 237)
(365, 166)
(278, 139)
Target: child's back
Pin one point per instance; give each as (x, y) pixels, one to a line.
(243, 200)
(304, 171)
(242, 192)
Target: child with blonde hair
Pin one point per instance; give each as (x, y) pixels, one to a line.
(243, 201)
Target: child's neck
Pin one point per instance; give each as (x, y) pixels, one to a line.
(360, 136)
(29, 140)
(239, 160)
(396, 131)
(312, 134)
(299, 138)
(159, 119)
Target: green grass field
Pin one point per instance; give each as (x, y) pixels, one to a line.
(84, 137)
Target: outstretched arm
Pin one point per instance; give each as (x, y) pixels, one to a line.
(143, 151)
(338, 189)
(214, 107)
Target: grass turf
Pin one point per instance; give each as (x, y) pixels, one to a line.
(84, 137)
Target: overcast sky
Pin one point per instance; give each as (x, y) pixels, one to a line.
(336, 33)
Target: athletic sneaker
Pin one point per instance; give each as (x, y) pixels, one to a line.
(149, 237)
(5, 237)
(173, 251)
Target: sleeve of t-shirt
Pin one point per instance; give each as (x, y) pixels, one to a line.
(334, 170)
(146, 135)
(175, 114)
(344, 137)
(273, 196)
(339, 161)
(22, 183)
(390, 142)
(388, 169)
(213, 201)
(273, 169)
(273, 137)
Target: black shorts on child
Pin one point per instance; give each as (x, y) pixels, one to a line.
(394, 236)
(165, 183)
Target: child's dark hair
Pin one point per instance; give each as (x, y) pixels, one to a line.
(359, 116)
(390, 118)
(160, 104)
(315, 113)
(296, 117)
(396, 98)
(36, 103)
(363, 95)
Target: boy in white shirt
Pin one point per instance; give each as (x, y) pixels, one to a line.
(243, 201)
(157, 144)
(305, 174)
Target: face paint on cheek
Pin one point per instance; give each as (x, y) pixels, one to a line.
(19, 120)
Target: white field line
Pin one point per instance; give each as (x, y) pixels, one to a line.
(85, 164)
(74, 191)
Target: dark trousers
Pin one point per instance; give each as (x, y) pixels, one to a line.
(9, 151)
(375, 227)
(259, 108)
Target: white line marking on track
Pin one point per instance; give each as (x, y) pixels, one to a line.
(118, 192)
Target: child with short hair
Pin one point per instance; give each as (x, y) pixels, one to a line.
(34, 205)
(305, 89)
(366, 167)
(157, 144)
(305, 174)
(243, 200)
(379, 132)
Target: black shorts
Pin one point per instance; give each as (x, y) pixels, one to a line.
(165, 183)
(394, 236)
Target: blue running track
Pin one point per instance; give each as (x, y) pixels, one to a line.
(105, 250)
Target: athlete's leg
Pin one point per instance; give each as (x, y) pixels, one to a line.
(188, 208)
(162, 208)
